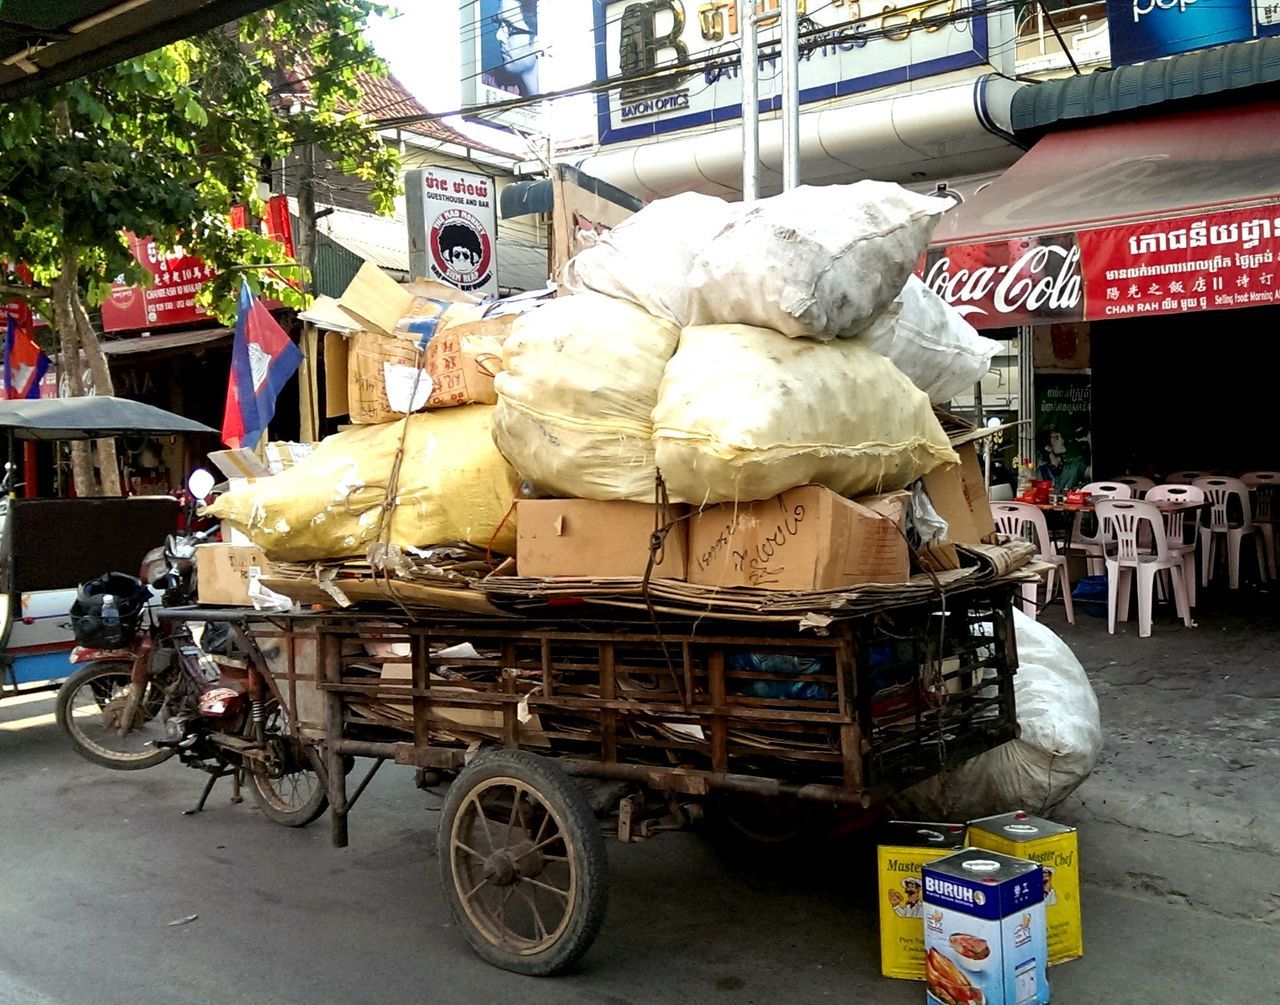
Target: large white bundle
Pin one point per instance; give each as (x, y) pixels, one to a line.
(931, 342)
(816, 261)
(576, 397)
(647, 258)
(745, 413)
(1060, 742)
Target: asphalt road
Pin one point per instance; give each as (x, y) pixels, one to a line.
(96, 867)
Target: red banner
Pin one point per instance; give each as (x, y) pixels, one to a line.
(178, 277)
(170, 300)
(1204, 263)
(1214, 261)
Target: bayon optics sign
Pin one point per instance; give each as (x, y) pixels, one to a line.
(1214, 261)
(857, 46)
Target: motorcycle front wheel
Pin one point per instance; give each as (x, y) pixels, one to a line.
(90, 710)
(297, 796)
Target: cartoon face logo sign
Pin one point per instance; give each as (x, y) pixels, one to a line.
(461, 251)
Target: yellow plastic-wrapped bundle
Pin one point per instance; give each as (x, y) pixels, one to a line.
(453, 485)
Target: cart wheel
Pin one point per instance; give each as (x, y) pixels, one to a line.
(522, 863)
(751, 828)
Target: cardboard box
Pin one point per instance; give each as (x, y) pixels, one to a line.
(808, 538)
(984, 931)
(584, 537)
(904, 848)
(224, 571)
(959, 494)
(383, 381)
(240, 462)
(282, 455)
(464, 358)
(1056, 848)
(375, 300)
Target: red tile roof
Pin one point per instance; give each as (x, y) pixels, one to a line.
(387, 98)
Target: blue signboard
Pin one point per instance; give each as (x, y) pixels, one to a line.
(1148, 29)
(672, 51)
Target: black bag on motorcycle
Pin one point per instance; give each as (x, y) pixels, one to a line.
(107, 610)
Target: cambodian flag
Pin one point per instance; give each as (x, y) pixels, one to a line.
(263, 358)
(24, 363)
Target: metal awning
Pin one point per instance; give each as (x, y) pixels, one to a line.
(48, 42)
(538, 196)
(1159, 215)
(1123, 90)
(168, 340)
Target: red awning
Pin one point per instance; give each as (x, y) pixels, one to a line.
(1146, 217)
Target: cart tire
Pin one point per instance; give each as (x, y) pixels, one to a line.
(749, 827)
(522, 863)
(92, 734)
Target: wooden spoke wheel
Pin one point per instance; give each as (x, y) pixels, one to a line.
(522, 862)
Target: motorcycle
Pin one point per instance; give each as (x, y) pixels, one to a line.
(148, 689)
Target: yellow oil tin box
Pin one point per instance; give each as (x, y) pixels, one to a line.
(1056, 848)
(905, 847)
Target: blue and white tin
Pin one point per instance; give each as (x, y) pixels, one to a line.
(985, 938)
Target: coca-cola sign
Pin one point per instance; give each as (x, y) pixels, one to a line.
(1213, 261)
(1024, 281)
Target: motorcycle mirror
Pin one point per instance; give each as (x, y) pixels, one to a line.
(200, 484)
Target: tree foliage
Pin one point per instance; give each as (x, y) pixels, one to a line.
(165, 144)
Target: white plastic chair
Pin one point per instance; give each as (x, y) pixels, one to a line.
(1175, 529)
(1264, 487)
(1092, 544)
(1027, 522)
(1127, 520)
(1218, 493)
(1139, 485)
(1183, 477)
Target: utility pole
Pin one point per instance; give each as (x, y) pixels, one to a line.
(749, 72)
(790, 94)
(307, 213)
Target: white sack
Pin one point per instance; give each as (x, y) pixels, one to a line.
(818, 261)
(745, 413)
(1060, 742)
(931, 342)
(647, 258)
(576, 398)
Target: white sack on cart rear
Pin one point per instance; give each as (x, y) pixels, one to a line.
(1060, 742)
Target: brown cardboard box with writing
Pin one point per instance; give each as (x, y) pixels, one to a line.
(807, 538)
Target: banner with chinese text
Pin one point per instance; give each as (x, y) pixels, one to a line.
(178, 277)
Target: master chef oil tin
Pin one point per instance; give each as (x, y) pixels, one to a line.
(904, 848)
(1057, 850)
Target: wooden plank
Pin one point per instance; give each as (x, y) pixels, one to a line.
(608, 716)
(719, 729)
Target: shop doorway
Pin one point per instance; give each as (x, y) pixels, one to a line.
(1186, 391)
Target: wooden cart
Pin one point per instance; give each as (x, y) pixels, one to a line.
(548, 726)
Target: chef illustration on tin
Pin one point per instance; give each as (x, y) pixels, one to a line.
(907, 904)
(1050, 894)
